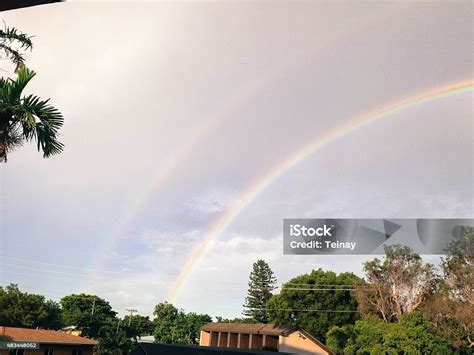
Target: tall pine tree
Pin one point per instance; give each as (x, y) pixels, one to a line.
(261, 284)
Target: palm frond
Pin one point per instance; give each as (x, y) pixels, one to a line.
(11, 89)
(12, 34)
(12, 43)
(47, 141)
(27, 118)
(13, 54)
(40, 121)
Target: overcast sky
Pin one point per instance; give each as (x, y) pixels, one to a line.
(213, 96)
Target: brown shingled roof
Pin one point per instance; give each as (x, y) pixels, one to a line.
(267, 329)
(44, 336)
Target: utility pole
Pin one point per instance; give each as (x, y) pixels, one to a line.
(130, 317)
(93, 306)
(118, 326)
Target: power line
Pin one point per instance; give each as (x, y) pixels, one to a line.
(319, 285)
(310, 310)
(74, 274)
(170, 278)
(284, 287)
(118, 273)
(66, 266)
(63, 276)
(323, 289)
(41, 290)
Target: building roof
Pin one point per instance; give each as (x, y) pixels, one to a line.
(17, 4)
(259, 328)
(264, 329)
(322, 345)
(167, 349)
(44, 336)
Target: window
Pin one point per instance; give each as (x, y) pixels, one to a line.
(48, 351)
(77, 352)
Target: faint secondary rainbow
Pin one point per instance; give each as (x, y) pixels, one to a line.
(307, 150)
(230, 106)
(169, 168)
(175, 161)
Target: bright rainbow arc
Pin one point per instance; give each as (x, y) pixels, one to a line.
(300, 155)
(160, 177)
(164, 173)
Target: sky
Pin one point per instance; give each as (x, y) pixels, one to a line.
(174, 110)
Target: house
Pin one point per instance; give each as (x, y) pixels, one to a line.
(24, 341)
(167, 349)
(270, 337)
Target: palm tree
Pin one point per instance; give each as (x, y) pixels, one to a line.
(12, 43)
(26, 118)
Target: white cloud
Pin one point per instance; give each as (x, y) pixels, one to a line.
(167, 242)
(213, 202)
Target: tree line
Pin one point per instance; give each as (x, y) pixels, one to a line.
(94, 318)
(401, 306)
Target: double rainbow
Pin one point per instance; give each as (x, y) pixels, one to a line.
(301, 154)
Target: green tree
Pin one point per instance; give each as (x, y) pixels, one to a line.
(27, 118)
(316, 302)
(398, 285)
(261, 284)
(89, 313)
(362, 338)
(22, 309)
(194, 323)
(113, 339)
(13, 44)
(371, 335)
(338, 337)
(170, 324)
(137, 326)
(174, 326)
